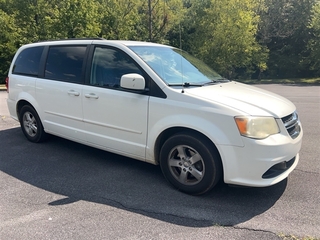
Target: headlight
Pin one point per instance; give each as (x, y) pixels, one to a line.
(257, 127)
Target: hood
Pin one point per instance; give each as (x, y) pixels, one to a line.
(245, 98)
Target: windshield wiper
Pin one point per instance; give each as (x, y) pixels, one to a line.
(215, 81)
(186, 84)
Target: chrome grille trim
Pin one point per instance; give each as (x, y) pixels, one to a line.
(292, 124)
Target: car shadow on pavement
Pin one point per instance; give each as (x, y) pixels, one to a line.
(79, 172)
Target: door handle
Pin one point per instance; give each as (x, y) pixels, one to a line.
(73, 93)
(91, 95)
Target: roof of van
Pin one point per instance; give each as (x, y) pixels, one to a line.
(96, 41)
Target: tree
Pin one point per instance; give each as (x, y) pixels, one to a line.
(158, 17)
(33, 18)
(75, 19)
(283, 29)
(119, 19)
(223, 33)
(314, 43)
(9, 37)
(235, 37)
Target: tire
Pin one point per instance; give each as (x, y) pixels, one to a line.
(190, 163)
(31, 124)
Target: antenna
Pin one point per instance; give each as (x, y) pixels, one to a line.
(180, 36)
(180, 48)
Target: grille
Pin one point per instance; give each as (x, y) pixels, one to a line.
(292, 124)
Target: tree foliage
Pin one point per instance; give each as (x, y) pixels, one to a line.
(314, 43)
(223, 33)
(158, 17)
(284, 30)
(75, 19)
(118, 19)
(9, 37)
(238, 38)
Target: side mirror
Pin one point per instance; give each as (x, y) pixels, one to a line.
(133, 81)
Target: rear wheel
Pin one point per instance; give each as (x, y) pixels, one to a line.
(31, 125)
(190, 164)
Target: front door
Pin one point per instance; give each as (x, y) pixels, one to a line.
(114, 119)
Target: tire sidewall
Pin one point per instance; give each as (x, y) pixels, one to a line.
(40, 135)
(212, 167)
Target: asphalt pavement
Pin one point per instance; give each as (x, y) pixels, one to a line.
(64, 190)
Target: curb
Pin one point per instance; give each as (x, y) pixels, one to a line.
(3, 87)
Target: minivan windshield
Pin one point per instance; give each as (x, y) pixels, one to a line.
(177, 67)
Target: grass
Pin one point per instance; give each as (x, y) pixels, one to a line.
(291, 237)
(298, 81)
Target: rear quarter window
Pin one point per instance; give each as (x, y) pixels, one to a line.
(27, 62)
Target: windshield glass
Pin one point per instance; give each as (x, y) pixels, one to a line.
(175, 66)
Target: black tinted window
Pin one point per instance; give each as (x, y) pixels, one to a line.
(65, 63)
(27, 63)
(109, 65)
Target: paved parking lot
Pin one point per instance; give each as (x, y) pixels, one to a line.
(64, 190)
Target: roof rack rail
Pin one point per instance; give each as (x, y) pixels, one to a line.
(69, 39)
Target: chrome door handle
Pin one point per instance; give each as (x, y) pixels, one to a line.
(91, 95)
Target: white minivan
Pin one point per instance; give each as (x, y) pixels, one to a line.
(158, 104)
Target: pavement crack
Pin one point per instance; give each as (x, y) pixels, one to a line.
(254, 230)
(186, 221)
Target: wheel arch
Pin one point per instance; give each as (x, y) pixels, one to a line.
(26, 98)
(167, 133)
(22, 103)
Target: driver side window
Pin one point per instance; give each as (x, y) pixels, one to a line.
(108, 66)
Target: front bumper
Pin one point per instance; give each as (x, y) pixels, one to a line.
(260, 163)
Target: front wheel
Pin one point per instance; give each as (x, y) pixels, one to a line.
(31, 125)
(190, 163)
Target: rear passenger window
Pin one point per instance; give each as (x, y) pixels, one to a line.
(65, 63)
(27, 62)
